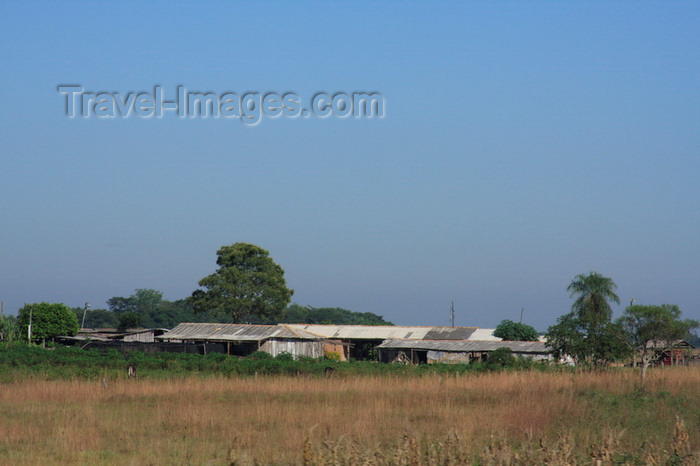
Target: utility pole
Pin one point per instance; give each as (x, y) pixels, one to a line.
(87, 305)
(452, 312)
(2, 308)
(521, 315)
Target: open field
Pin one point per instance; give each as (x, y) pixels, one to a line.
(487, 418)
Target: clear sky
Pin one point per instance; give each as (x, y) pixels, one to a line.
(522, 143)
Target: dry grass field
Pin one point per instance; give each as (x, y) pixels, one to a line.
(490, 418)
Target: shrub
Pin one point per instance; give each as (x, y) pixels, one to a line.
(260, 355)
(502, 357)
(285, 357)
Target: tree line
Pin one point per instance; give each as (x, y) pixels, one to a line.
(590, 336)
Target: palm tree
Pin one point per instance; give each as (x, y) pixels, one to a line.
(593, 293)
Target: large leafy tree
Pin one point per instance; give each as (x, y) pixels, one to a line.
(48, 320)
(653, 328)
(247, 283)
(596, 347)
(515, 331)
(586, 333)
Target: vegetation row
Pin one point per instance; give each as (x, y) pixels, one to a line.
(62, 362)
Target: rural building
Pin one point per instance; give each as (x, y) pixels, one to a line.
(338, 341)
(461, 351)
(242, 340)
(673, 353)
(360, 341)
(140, 339)
(385, 343)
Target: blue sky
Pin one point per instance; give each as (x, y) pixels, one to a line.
(522, 144)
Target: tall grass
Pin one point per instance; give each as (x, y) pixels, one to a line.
(483, 418)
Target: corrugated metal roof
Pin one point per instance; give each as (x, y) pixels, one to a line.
(234, 332)
(244, 332)
(383, 332)
(449, 333)
(109, 334)
(484, 334)
(466, 345)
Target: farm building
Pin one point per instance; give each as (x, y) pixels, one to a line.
(242, 340)
(360, 341)
(673, 353)
(463, 351)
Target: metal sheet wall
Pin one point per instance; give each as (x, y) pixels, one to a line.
(312, 349)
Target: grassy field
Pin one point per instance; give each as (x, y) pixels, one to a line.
(522, 417)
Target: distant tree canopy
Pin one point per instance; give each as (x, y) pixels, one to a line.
(515, 331)
(96, 318)
(248, 284)
(152, 310)
(296, 314)
(143, 301)
(127, 313)
(144, 308)
(48, 320)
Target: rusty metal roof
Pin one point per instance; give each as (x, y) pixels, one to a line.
(466, 345)
(383, 332)
(234, 332)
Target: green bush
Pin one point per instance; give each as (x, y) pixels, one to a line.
(285, 357)
(260, 355)
(502, 357)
